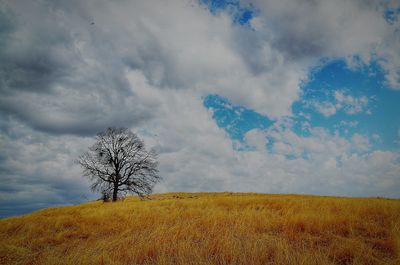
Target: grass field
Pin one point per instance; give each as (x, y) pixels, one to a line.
(208, 228)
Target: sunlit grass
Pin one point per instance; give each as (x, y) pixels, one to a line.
(208, 228)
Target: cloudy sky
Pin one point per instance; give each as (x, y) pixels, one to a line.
(272, 96)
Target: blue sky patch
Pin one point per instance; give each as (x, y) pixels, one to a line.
(240, 14)
(235, 120)
(343, 100)
(392, 15)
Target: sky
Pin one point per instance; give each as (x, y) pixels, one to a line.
(269, 96)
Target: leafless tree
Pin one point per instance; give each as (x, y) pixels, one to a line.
(118, 162)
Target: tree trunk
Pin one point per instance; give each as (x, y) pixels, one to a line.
(115, 193)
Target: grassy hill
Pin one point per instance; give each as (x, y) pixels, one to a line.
(208, 228)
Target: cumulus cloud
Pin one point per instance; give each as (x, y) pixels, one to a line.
(325, 108)
(69, 69)
(38, 170)
(333, 29)
(341, 101)
(350, 104)
(256, 138)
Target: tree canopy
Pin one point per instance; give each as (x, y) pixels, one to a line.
(118, 163)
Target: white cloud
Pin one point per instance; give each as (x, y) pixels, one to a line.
(325, 108)
(350, 104)
(333, 30)
(256, 138)
(148, 68)
(319, 145)
(346, 124)
(341, 101)
(360, 142)
(376, 137)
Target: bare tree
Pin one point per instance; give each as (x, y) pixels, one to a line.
(118, 162)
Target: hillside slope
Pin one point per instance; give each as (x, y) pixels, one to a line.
(208, 228)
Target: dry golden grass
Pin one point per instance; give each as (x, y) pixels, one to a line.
(208, 228)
